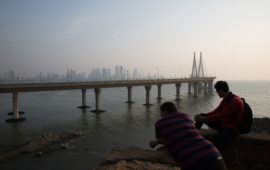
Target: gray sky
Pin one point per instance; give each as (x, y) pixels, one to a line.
(155, 36)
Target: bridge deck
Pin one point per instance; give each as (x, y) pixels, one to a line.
(30, 87)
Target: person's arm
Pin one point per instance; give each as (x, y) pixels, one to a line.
(199, 118)
(218, 109)
(154, 143)
(202, 118)
(227, 111)
(159, 138)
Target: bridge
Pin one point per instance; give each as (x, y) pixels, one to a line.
(195, 81)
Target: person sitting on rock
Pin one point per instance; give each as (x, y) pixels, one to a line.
(178, 133)
(224, 118)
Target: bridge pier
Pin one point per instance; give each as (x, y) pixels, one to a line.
(16, 116)
(129, 94)
(178, 91)
(159, 91)
(196, 91)
(97, 96)
(83, 106)
(189, 88)
(205, 87)
(210, 85)
(147, 89)
(200, 86)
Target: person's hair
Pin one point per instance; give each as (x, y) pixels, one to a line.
(169, 107)
(222, 85)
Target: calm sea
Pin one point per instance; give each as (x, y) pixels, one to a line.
(121, 125)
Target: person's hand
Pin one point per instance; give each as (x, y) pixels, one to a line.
(199, 118)
(153, 143)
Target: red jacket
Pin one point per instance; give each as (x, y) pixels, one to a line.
(229, 112)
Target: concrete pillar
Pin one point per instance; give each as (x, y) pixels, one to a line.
(97, 96)
(15, 106)
(199, 86)
(147, 89)
(129, 94)
(211, 85)
(16, 117)
(196, 91)
(83, 97)
(189, 88)
(83, 106)
(178, 91)
(205, 87)
(159, 91)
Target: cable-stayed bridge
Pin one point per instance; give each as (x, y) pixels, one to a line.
(196, 80)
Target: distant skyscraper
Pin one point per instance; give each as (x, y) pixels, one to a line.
(135, 74)
(109, 74)
(104, 74)
(121, 72)
(117, 73)
(40, 76)
(11, 75)
(98, 74)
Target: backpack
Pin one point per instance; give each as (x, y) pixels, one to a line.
(247, 120)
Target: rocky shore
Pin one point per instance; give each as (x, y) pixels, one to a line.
(40, 142)
(248, 152)
(261, 125)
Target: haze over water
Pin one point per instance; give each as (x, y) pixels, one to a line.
(157, 37)
(121, 125)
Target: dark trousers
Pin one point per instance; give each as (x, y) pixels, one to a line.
(224, 137)
(213, 164)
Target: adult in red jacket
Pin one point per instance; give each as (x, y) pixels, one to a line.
(225, 118)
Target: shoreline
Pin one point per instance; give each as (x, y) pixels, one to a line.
(38, 144)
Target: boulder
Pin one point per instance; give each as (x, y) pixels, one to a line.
(250, 151)
(137, 158)
(38, 143)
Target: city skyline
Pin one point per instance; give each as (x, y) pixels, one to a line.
(154, 36)
(96, 74)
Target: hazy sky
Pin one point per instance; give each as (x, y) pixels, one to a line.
(155, 36)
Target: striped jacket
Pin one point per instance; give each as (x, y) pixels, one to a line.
(184, 140)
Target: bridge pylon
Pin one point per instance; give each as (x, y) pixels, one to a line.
(197, 73)
(200, 71)
(194, 72)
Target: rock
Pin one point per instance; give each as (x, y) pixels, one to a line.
(261, 125)
(250, 151)
(38, 143)
(39, 154)
(135, 164)
(64, 146)
(137, 158)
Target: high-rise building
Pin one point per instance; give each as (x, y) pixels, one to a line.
(104, 74)
(11, 75)
(117, 73)
(135, 74)
(109, 74)
(121, 73)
